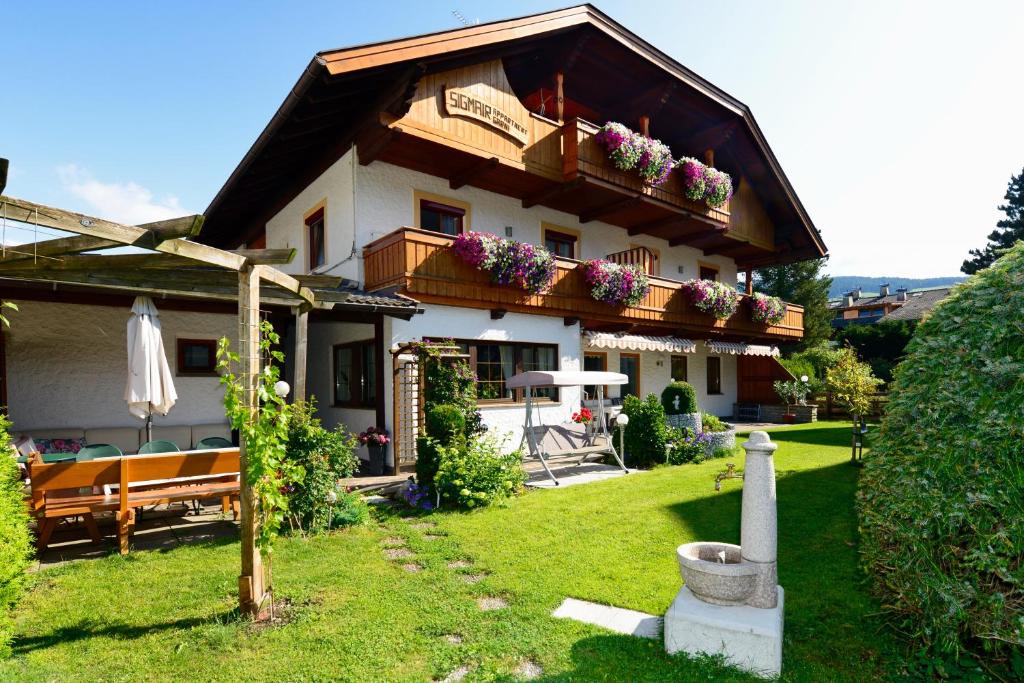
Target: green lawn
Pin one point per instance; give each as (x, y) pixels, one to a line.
(359, 616)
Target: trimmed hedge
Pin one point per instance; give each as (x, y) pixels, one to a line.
(941, 498)
(444, 424)
(687, 398)
(15, 540)
(646, 433)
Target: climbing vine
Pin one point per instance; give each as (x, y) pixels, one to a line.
(265, 433)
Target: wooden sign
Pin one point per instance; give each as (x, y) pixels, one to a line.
(460, 102)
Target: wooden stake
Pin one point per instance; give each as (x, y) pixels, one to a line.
(301, 336)
(251, 592)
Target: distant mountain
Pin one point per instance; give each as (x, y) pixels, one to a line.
(841, 284)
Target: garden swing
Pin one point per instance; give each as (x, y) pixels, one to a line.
(547, 441)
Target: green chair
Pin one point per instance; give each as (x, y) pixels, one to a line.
(50, 458)
(213, 442)
(98, 450)
(158, 446)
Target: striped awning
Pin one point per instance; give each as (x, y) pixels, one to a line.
(638, 342)
(740, 349)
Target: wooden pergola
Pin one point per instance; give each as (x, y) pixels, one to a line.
(173, 266)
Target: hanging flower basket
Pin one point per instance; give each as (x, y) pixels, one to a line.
(622, 145)
(655, 161)
(713, 298)
(616, 284)
(507, 262)
(769, 310)
(703, 183)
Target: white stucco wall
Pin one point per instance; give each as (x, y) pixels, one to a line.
(67, 366)
(439, 322)
(380, 200)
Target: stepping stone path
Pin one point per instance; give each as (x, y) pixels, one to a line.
(456, 675)
(424, 525)
(432, 537)
(394, 541)
(491, 603)
(473, 578)
(529, 670)
(460, 564)
(397, 553)
(453, 639)
(412, 567)
(627, 621)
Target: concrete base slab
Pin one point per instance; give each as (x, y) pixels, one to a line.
(627, 621)
(571, 476)
(750, 638)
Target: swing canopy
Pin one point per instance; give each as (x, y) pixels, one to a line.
(563, 378)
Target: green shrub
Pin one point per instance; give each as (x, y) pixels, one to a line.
(712, 423)
(681, 394)
(684, 447)
(444, 422)
(349, 510)
(450, 381)
(15, 539)
(940, 498)
(324, 457)
(799, 366)
(474, 473)
(646, 432)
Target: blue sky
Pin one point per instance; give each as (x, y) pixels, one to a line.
(898, 123)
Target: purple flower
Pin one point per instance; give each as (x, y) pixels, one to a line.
(713, 298)
(616, 284)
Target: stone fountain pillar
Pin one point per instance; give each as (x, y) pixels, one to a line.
(730, 602)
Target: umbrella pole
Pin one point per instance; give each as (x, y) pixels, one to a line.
(149, 423)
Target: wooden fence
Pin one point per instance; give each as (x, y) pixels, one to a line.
(828, 408)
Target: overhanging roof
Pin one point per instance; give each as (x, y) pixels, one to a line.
(340, 91)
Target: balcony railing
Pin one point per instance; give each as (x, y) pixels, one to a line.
(422, 265)
(583, 155)
(637, 256)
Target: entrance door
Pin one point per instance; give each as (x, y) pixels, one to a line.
(629, 365)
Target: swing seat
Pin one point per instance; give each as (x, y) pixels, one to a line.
(571, 439)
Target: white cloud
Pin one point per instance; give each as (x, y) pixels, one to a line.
(128, 202)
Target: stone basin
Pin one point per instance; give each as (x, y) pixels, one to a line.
(721, 583)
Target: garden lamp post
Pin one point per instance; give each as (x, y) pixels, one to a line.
(621, 420)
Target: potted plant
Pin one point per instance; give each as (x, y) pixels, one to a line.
(792, 393)
(376, 442)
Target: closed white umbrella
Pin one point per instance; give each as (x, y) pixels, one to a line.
(150, 387)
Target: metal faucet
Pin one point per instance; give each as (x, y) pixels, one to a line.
(730, 473)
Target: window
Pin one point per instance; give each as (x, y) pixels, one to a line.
(561, 242)
(315, 238)
(869, 312)
(714, 375)
(678, 364)
(629, 365)
(594, 362)
(197, 357)
(708, 272)
(355, 375)
(495, 362)
(440, 214)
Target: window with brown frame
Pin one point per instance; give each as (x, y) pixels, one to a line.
(315, 239)
(594, 362)
(443, 218)
(714, 375)
(708, 272)
(355, 376)
(197, 357)
(496, 362)
(629, 365)
(678, 368)
(560, 243)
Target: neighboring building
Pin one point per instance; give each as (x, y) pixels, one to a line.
(382, 153)
(858, 308)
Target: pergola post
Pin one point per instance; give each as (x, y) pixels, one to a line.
(301, 336)
(251, 584)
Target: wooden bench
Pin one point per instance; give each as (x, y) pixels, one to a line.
(73, 489)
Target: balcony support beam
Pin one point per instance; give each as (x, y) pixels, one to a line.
(725, 248)
(475, 170)
(608, 209)
(552, 192)
(696, 237)
(644, 228)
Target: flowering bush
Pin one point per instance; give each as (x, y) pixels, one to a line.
(616, 284)
(685, 446)
(624, 147)
(418, 497)
(583, 417)
(767, 309)
(474, 473)
(714, 298)
(702, 182)
(374, 437)
(655, 161)
(508, 262)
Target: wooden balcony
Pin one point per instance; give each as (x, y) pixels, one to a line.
(422, 265)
